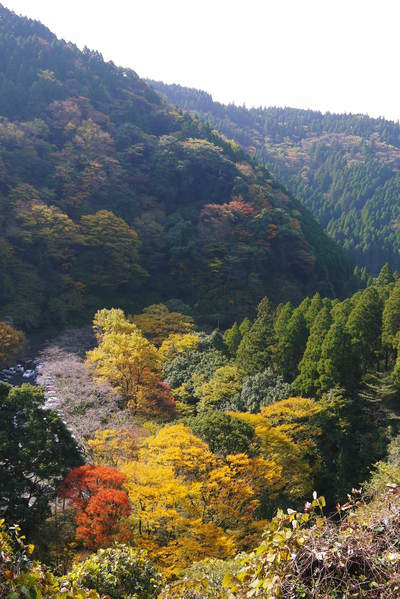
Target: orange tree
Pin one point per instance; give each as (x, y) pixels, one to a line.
(99, 501)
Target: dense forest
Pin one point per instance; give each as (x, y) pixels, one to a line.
(343, 167)
(228, 425)
(109, 196)
(211, 433)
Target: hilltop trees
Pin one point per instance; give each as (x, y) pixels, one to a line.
(98, 174)
(343, 167)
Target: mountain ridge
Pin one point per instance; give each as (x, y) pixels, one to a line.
(110, 197)
(343, 167)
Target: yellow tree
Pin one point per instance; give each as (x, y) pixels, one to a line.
(177, 344)
(288, 435)
(189, 504)
(157, 323)
(111, 447)
(111, 321)
(126, 359)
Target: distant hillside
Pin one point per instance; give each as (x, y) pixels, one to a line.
(109, 196)
(344, 168)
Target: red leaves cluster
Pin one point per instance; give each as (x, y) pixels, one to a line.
(234, 210)
(100, 503)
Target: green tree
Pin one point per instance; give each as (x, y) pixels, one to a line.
(260, 390)
(256, 348)
(364, 325)
(36, 453)
(224, 434)
(283, 315)
(391, 323)
(232, 338)
(338, 366)
(245, 326)
(385, 276)
(313, 309)
(291, 345)
(306, 383)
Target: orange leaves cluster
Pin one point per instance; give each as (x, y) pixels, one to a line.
(99, 501)
(233, 211)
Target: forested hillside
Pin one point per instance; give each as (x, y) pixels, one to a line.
(229, 426)
(343, 167)
(189, 443)
(108, 196)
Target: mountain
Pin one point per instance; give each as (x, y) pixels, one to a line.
(343, 167)
(110, 196)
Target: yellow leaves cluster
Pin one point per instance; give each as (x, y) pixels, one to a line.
(176, 344)
(287, 434)
(113, 447)
(187, 503)
(123, 357)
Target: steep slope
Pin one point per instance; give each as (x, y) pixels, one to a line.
(344, 168)
(109, 196)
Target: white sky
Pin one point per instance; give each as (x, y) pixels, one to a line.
(336, 55)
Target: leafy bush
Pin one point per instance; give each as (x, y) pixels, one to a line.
(202, 579)
(310, 555)
(118, 572)
(19, 576)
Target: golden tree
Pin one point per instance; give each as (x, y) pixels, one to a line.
(189, 504)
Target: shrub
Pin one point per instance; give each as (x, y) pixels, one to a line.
(117, 572)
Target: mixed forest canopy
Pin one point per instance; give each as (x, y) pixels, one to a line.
(109, 196)
(214, 432)
(229, 425)
(343, 167)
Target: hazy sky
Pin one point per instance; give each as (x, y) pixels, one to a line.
(335, 55)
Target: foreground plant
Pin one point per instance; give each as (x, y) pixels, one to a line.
(310, 555)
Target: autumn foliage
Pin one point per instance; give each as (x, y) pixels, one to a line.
(131, 363)
(100, 503)
(11, 342)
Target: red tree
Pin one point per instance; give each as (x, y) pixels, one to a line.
(100, 503)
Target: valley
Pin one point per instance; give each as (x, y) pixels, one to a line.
(199, 339)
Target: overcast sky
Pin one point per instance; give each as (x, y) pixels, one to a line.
(335, 55)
